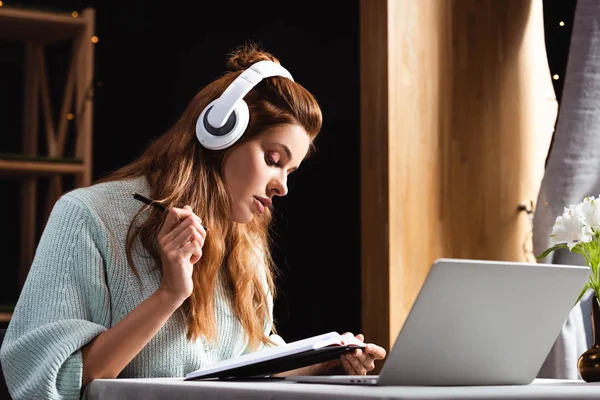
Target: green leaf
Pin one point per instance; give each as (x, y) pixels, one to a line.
(551, 249)
(585, 289)
(581, 249)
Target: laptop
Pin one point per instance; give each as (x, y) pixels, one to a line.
(477, 323)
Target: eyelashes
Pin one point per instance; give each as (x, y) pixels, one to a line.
(271, 161)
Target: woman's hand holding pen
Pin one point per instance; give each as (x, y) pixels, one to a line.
(180, 242)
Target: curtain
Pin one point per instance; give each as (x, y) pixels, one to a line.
(572, 173)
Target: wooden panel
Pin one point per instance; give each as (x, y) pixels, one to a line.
(499, 117)
(414, 121)
(457, 112)
(374, 172)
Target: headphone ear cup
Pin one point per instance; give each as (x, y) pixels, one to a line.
(221, 138)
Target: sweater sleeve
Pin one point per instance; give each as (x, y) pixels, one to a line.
(63, 305)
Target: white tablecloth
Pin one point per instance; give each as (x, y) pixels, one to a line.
(177, 388)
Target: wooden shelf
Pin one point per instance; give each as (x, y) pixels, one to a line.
(38, 26)
(38, 168)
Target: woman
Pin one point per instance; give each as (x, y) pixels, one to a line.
(118, 288)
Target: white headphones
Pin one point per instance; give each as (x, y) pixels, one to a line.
(225, 119)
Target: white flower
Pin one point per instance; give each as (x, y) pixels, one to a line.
(570, 229)
(590, 213)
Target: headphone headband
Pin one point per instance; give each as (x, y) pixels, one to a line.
(235, 92)
(224, 120)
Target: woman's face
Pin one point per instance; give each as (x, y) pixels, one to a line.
(257, 170)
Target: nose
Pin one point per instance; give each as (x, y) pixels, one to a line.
(278, 186)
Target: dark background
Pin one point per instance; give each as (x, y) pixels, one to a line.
(151, 59)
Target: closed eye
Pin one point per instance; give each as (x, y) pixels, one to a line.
(271, 161)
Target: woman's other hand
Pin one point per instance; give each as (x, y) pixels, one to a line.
(180, 242)
(355, 362)
(361, 361)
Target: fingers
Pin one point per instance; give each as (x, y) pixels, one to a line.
(174, 217)
(374, 351)
(193, 251)
(187, 233)
(352, 365)
(196, 222)
(359, 362)
(326, 367)
(348, 335)
(182, 235)
(181, 221)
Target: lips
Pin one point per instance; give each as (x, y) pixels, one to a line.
(259, 206)
(261, 203)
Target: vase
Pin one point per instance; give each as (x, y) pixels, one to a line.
(589, 362)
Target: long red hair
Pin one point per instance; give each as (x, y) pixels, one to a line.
(180, 171)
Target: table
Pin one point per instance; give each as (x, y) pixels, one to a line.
(177, 388)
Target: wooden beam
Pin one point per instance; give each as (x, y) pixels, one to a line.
(55, 188)
(84, 97)
(40, 27)
(38, 168)
(5, 316)
(28, 237)
(67, 103)
(46, 103)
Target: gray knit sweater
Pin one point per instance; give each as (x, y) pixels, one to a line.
(80, 285)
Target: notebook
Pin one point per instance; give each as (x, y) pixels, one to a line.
(286, 357)
(477, 323)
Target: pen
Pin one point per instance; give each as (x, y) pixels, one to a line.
(154, 204)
